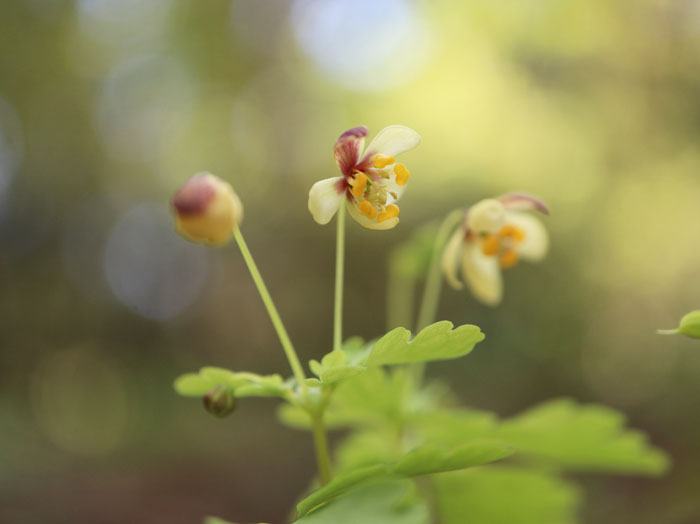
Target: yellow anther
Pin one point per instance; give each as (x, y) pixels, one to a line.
(359, 184)
(513, 232)
(381, 161)
(508, 259)
(390, 212)
(491, 245)
(367, 209)
(402, 174)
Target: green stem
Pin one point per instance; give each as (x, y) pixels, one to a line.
(271, 309)
(339, 270)
(433, 282)
(667, 331)
(321, 447)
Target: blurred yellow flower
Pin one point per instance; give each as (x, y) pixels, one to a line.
(494, 235)
(372, 180)
(207, 210)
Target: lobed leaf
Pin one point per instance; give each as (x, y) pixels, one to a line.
(429, 459)
(505, 495)
(423, 460)
(435, 342)
(334, 367)
(586, 438)
(560, 434)
(388, 502)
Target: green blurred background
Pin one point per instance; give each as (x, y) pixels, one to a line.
(106, 106)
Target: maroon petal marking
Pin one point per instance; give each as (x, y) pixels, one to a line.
(355, 132)
(342, 185)
(523, 202)
(193, 197)
(348, 148)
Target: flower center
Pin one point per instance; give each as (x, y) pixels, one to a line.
(370, 192)
(504, 244)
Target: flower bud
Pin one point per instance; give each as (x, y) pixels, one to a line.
(219, 401)
(207, 210)
(689, 326)
(487, 216)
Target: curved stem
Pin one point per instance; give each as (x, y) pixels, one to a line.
(433, 282)
(339, 270)
(321, 447)
(271, 309)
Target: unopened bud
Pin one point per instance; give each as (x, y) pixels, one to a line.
(219, 401)
(207, 210)
(487, 216)
(689, 326)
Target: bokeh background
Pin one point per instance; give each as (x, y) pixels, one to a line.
(106, 106)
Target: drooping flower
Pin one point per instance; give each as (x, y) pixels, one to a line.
(372, 181)
(207, 210)
(494, 235)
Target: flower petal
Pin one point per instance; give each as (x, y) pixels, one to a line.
(482, 274)
(348, 149)
(324, 199)
(393, 187)
(393, 140)
(523, 202)
(450, 258)
(536, 242)
(370, 224)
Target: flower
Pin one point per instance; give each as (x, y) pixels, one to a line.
(494, 235)
(372, 180)
(207, 210)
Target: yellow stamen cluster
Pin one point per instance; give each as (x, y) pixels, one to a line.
(390, 212)
(503, 244)
(367, 209)
(381, 161)
(359, 184)
(402, 174)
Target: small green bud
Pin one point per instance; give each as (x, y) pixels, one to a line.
(219, 401)
(689, 326)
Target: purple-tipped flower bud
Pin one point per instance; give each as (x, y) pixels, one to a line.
(207, 210)
(219, 401)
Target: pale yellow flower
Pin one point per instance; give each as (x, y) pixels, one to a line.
(372, 181)
(494, 235)
(207, 210)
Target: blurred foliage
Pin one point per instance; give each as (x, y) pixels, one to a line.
(107, 106)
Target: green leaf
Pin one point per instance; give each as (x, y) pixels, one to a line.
(436, 342)
(373, 398)
(391, 502)
(334, 367)
(263, 386)
(216, 375)
(333, 375)
(191, 385)
(423, 460)
(339, 485)
(364, 448)
(504, 495)
(242, 384)
(578, 437)
(429, 459)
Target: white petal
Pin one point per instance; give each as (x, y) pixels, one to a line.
(393, 140)
(486, 216)
(450, 258)
(393, 187)
(482, 274)
(536, 243)
(370, 224)
(324, 199)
